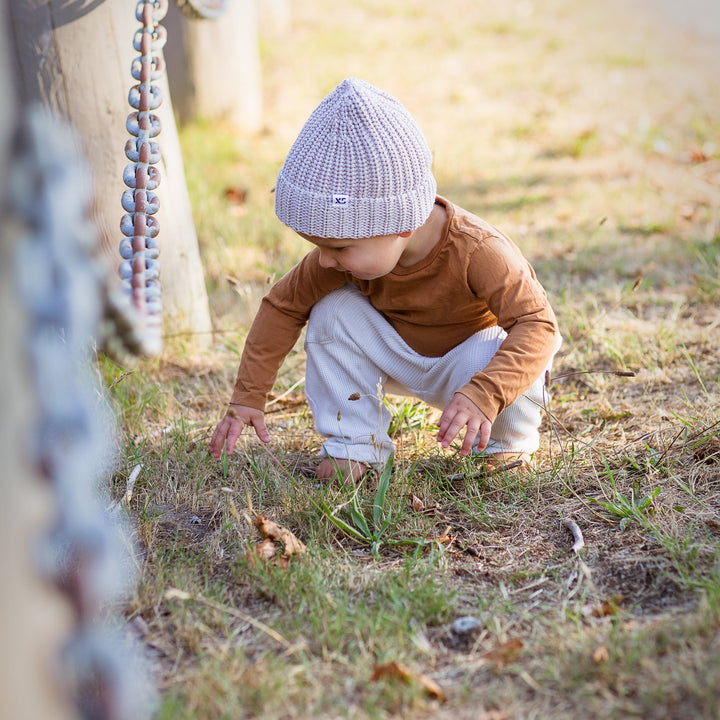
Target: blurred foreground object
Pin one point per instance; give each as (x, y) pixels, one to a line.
(64, 555)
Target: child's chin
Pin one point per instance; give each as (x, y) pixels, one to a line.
(370, 275)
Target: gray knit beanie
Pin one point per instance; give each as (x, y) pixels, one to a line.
(359, 168)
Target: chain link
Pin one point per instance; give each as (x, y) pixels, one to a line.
(60, 281)
(140, 268)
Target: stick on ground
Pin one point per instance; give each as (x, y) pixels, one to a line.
(573, 527)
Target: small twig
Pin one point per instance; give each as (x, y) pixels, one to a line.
(573, 527)
(618, 373)
(120, 378)
(130, 486)
(282, 396)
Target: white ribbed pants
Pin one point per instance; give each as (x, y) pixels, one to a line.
(351, 348)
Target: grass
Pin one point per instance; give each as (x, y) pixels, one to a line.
(547, 121)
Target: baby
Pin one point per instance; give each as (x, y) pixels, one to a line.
(404, 291)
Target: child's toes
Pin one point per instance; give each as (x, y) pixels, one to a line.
(341, 469)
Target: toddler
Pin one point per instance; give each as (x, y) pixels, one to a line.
(404, 291)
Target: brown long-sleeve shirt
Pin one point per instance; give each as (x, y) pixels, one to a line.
(473, 278)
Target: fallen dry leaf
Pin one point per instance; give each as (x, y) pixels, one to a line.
(236, 195)
(445, 538)
(282, 561)
(266, 550)
(288, 402)
(601, 655)
(604, 608)
(398, 671)
(505, 653)
(273, 531)
(416, 503)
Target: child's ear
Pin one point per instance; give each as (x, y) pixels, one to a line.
(406, 234)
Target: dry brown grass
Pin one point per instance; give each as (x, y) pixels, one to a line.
(591, 136)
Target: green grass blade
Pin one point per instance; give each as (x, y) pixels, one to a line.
(342, 525)
(380, 495)
(358, 518)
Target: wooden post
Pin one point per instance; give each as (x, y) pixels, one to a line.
(214, 66)
(275, 16)
(75, 59)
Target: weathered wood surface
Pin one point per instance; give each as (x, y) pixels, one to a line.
(214, 66)
(74, 57)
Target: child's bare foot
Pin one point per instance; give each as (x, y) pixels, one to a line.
(342, 469)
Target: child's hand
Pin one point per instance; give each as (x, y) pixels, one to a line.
(229, 428)
(461, 411)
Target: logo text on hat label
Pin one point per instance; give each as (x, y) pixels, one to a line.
(340, 200)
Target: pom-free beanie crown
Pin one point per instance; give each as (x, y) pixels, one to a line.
(359, 168)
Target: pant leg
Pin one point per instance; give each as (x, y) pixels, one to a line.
(352, 349)
(516, 428)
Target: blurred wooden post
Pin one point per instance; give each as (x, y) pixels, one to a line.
(214, 66)
(36, 619)
(275, 16)
(75, 59)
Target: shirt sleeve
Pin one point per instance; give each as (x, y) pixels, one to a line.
(499, 275)
(283, 313)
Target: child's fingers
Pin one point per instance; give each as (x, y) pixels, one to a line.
(450, 428)
(217, 440)
(226, 434)
(484, 435)
(234, 430)
(473, 425)
(260, 428)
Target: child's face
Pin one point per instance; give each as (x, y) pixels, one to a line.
(366, 258)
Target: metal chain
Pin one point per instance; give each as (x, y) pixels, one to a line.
(202, 9)
(60, 282)
(140, 269)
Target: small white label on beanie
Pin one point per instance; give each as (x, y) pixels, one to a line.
(340, 200)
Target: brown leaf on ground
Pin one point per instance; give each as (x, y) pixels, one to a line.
(505, 653)
(286, 402)
(445, 539)
(266, 550)
(416, 503)
(604, 608)
(601, 655)
(236, 195)
(398, 671)
(282, 561)
(272, 534)
(273, 531)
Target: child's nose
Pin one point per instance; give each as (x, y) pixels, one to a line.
(326, 259)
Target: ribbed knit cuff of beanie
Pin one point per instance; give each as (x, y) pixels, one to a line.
(359, 168)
